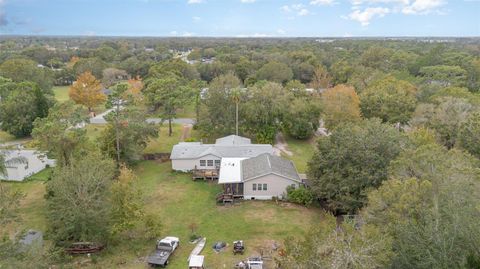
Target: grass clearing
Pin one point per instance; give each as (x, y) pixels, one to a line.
(302, 152)
(61, 93)
(178, 201)
(187, 112)
(164, 143)
(95, 130)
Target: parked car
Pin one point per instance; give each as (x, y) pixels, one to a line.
(164, 249)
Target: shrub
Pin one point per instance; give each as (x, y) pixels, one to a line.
(300, 195)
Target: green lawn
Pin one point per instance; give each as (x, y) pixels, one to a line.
(94, 130)
(164, 143)
(61, 93)
(187, 112)
(302, 152)
(179, 201)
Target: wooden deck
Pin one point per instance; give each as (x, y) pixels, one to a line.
(210, 174)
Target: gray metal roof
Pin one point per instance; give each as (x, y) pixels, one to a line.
(195, 150)
(265, 164)
(233, 140)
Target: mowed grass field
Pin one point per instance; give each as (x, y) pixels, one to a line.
(302, 152)
(178, 201)
(61, 93)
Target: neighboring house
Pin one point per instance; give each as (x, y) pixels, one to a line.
(188, 156)
(262, 177)
(33, 163)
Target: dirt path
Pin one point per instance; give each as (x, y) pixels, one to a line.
(186, 132)
(281, 146)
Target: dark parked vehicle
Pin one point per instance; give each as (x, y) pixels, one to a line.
(164, 249)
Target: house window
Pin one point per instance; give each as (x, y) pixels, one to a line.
(202, 162)
(217, 163)
(264, 187)
(254, 187)
(209, 162)
(259, 187)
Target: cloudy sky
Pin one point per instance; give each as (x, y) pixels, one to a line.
(241, 18)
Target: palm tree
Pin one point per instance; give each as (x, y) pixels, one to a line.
(12, 161)
(235, 95)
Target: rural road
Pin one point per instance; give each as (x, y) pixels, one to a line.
(100, 119)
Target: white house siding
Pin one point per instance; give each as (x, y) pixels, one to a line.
(189, 165)
(276, 187)
(35, 162)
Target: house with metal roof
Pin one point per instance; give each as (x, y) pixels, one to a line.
(30, 162)
(189, 156)
(262, 177)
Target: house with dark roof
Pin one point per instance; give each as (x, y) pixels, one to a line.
(262, 177)
(189, 156)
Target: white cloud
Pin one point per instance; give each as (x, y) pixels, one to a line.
(365, 10)
(173, 33)
(303, 12)
(286, 8)
(247, 1)
(187, 34)
(364, 17)
(422, 6)
(322, 2)
(281, 31)
(196, 19)
(298, 9)
(194, 1)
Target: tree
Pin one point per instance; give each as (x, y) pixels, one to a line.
(127, 204)
(321, 78)
(127, 132)
(265, 110)
(341, 72)
(351, 160)
(468, 137)
(87, 91)
(112, 76)
(340, 104)
(377, 58)
(275, 72)
(22, 70)
(175, 66)
(78, 207)
(444, 75)
(302, 118)
(217, 114)
(337, 247)
(445, 118)
(61, 132)
(389, 99)
(455, 92)
(95, 66)
(9, 199)
(23, 104)
(168, 94)
(361, 77)
(297, 88)
(419, 205)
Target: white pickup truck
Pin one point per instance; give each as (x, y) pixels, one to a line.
(164, 249)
